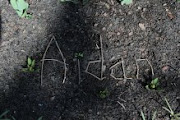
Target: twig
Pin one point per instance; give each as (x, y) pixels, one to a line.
(43, 59)
(79, 71)
(102, 58)
(93, 75)
(123, 69)
(53, 60)
(112, 71)
(44, 55)
(97, 61)
(64, 60)
(137, 60)
(91, 62)
(86, 71)
(121, 105)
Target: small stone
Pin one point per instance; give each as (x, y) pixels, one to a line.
(110, 25)
(95, 25)
(103, 28)
(141, 25)
(139, 8)
(52, 98)
(131, 33)
(165, 68)
(98, 113)
(118, 33)
(105, 14)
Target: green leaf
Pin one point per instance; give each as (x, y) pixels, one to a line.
(29, 61)
(22, 5)
(126, 2)
(25, 69)
(147, 87)
(154, 115)
(142, 115)
(155, 81)
(40, 118)
(4, 113)
(33, 63)
(14, 4)
(28, 16)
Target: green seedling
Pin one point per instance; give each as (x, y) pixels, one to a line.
(40, 118)
(30, 65)
(173, 115)
(3, 116)
(126, 2)
(104, 93)
(79, 55)
(21, 7)
(154, 84)
(153, 117)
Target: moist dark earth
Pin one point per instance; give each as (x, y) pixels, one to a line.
(145, 30)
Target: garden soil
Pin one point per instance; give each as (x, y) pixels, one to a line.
(98, 59)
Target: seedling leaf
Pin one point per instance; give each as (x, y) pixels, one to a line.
(155, 81)
(142, 115)
(4, 113)
(126, 2)
(40, 118)
(154, 115)
(33, 63)
(29, 61)
(20, 6)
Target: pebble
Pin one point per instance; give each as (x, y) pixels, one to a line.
(131, 33)
(105, 14)
(103, 28)
(142, 26)
(165, 68)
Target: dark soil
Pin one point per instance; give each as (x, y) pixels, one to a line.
(144, 30)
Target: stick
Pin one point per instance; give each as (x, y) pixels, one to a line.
(44, 55)
(64, 60)
(102, 58)
(124, 72)
(47, 59)
(152, 70)
(121, 105)
(79, 71)
(86, 71)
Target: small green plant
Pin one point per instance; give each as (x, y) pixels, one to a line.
(30, 65)
(79, 55)
(3, 116)
(21, 7)
(154, 84)
(126, 2)
(40, 118)
(173, 115)
(153, 117)
(104, 93)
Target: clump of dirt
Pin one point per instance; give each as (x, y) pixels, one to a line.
(142, 37)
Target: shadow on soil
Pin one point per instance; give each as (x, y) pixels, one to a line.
(0, 27)
(27, 100)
